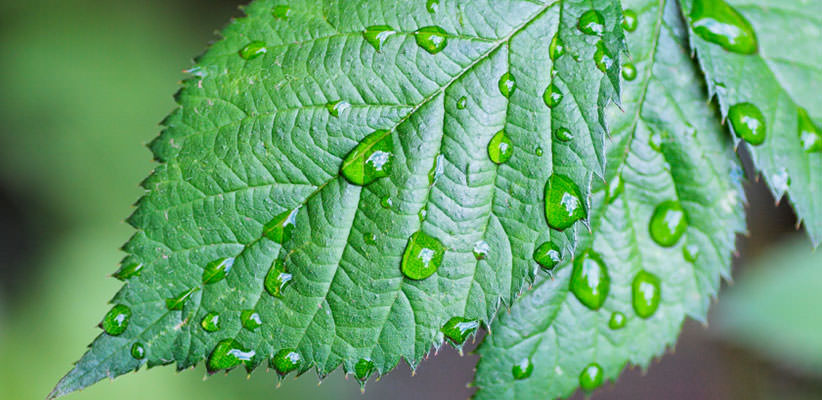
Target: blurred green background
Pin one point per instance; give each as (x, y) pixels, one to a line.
(84, 84)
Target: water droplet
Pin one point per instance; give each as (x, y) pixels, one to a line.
(217, 270)
(500, 148)
(461, 103)
(423, 255)
(364, 368)
(253, 50)
(690, 252)
(538, 151)
(211, 322)
(129, 270)
(602, 57)
(116, 320)
(591, 23)
(277, 278)
(437, 169)
(629, 72)
(337, 107)
(432, 6)
(655, 141)
(250, 319)
(281, 12)
(522, 369)
(668, 223)
(138, 351)
(421, 215)
(377, 35)
(591, 377)
(227, 354)
(458, 329)
(590, 282)
(563, 202)
(617, 321)
(552, 96)
(369, 238)
(748, 123)
(481, 249)
(615, 188)
(646, 294)
(281, 227)
(557, 48)
(507, 84)
(286, 360)
(432, 39)
(370, 160)
(548, 255)
(808, 133)
(563, 135)
(176, 303)
(386, 202)
(717, 22)
(781, 181)
(629, 20)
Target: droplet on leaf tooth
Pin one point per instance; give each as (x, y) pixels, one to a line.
(591, 23)
(432, 39)
(481, 250)
(253, 50)
(337, 107)
(522, 369)
(458, 329)
(432, 6)
(286, 360)
(809, 134)
(590, 281)
(250, 319)
(128, 271)
(602, 57)
(668, 223)
(364, 368)
(500, 148)
(507, 84)
(217, 270)
(552, 96)
(563, 202)
(646, 294)
(227, 354)
(748, 123)
(717, 22)
(281, 227)
(557, 48)
(563, 135)
(462, 103)
(277, 278)
(176, 303)
(617, 321)
(591, 377)
(377, 35)
(116, 320)
(629, 20)
(370, 160)
(138, 351)
(211, 322)
(423, 256)
(548, 255)
(281, 12)
(629, 72)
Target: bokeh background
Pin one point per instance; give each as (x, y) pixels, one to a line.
(83, 84)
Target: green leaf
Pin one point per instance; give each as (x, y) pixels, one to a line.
(781, 79)
(263, 163)
(667, 146)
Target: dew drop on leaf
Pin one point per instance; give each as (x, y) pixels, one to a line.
(116, 320)
(552, 96)
(563, 202)
(286, 360)
(277, 278)
(507, 84)
(591, 377)
(602, 57)
(748, 123)
(590, 282)
(809, 134)
(500, 148)
(437, 170)
(557, 48)
(617, 320)
(458, 329)
(369, 238)
(432, 6)
(591, 23)
(364, 368)
(431, 38)
(386, 202)
(538, 151)
(370, 160)
(655, 141)
(211, 322)
(227, 354)
(690, 252)
(563, 135)
(629, 20)
(128, 271)
(377, 35)
(217, 270)
(138, 351)
(668, 223)
(548, 255)
(629, 72)
(481, 249)
(337, 107)
(253, 50)
(423, 256)
(250, 319)
(646, 294)
(281, 227)
(462, 103)
(176, 303)
(717, 22)
(522, 369)
(281, 12)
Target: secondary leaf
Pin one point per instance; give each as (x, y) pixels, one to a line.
(322, 148)
(663, 231)
(761, 59)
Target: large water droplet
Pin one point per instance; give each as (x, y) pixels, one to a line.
(563, 134)
(250, 319)
(253, 50)
(668, 223)
(423, 255)
(217, 270)
(629, 72)
(617, 320)
(370, 160)
(629, 20)
(590, 282)
(557, 48)
(591, 377)
(277, 278)
(432, 6)
(500, 148)
(522, 369)
(481, 250)
(563, 202)
(286, 360)
(129, 270)
(281, 12)
(377, 35)
(548, 255)
(337, 107)
(211, 322)
(176, 303)
(748, 123)
(437, 170)
(458, 329)
(227, 354)
(281, 227)
(138, 351)
(719, 23)
(552, 96)
(615, 188)
(507, 84)
(646, 293)
(116, 320)
(809, 134)
(602, 57)
(432, 39)
(364, 368)
(462, 102)
(591, 23)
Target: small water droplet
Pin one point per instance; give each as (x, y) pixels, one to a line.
(370, 160)
(615, 188)
(369, 238)
(250, 319)
(563, 134)
(286, 360)
(691, 252)
(781, 181)
(277, 278)
(629, 20)
(629, 72)
(507, 84)
(116, 320)
(591, 23)
(500, 148)
(462, 102)
(563, 202)
(432, 39)
(364, 368)
(591, 377)
(538, 151)
(548, 255)
(481, 250)
(138, 351)
(337, 107)
(748, 123)
(809, 134)
(281, 227)
(646, 293)
(211, 322)
(377, 35)
(437, 170)
(668, 223)
(557, 48)
(176, 303)
(602, 57)
(617, 321)
(717, 22)
(421, 215)
(253, 50)
(217, 270)
(590, 281)
(423, 256)
(522, 369)
(432, 6)
(655, 141)
(128, 271)
(552, 96)
(281, 12)
(386, 202)
(458, 329)
(227, 354)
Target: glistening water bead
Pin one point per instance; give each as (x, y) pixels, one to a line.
(629, 72)
(552, 96)
(432, 39)
(364, 368)
(563, 202)
(250, 320)
(507, 84)
(277, 278)
(227, 354)
(370, 160)
(590, 282)
(336, 107)
(748, 123)
(668, 223)
(286, 360)
(211, 322)
(217, 270)
(557, 48)
(591, 23)
(253, 50)
(423, 256)
(138, 351)
(548, 255)
(629, 20)
(500, 148)
(617, 321)
(116, 320)
(280, 228)
(458, 329)
(591, 377)
(809, 134)
(646, 293)
(523, 369)
(377, 35)
(717, 22)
